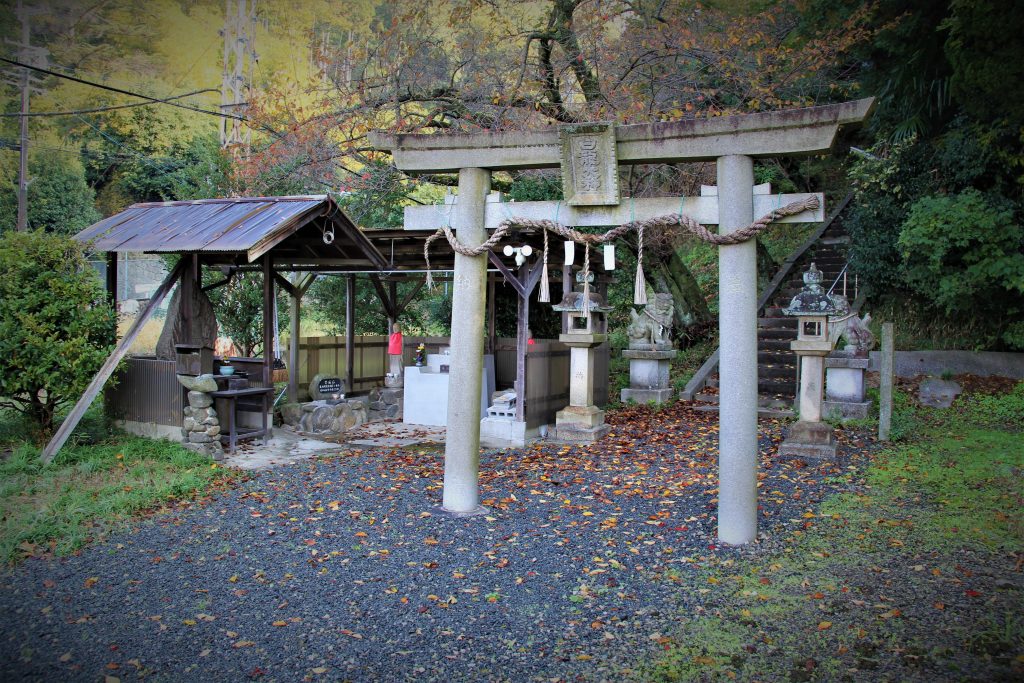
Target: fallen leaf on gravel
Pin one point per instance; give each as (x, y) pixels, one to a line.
(91, 581)
(234, 578)
(351, 634)
(939, 605)
(65, 657)
(205, 617)
(205, 653)
(242, 643)
(280, 623)
(824, 626)
(319, 670)
(430, 540)
(48, 583)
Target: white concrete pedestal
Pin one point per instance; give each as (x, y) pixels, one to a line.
(425, 398)
(844, 386)
(648, 376)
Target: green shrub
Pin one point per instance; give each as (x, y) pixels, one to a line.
(56, 328)
(964, 252)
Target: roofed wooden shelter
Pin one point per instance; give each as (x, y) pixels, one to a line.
(307, 235)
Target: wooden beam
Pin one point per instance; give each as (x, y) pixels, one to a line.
(410, 296)
(509, 276)
(382, 294)
(286, 286)
(306, 282)
(220, 283)
(107, 369)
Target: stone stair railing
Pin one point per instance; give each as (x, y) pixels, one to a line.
(785, 273)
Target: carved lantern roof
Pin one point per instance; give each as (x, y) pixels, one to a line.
(573, 303)
(814, 300)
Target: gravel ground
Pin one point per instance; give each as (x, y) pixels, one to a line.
(344, 569)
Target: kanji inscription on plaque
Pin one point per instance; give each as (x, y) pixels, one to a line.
(590, 170)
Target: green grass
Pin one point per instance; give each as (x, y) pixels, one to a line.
(874, 587)
(89, 488)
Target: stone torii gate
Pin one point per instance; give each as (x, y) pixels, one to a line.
(590, 176)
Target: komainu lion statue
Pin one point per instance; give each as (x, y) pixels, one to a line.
(652, 329)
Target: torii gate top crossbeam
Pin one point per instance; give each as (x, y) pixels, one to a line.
(811, 130)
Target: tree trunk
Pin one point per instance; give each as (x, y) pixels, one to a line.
(691, 310)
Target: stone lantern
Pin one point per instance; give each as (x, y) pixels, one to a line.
(812, 306)
(581, 420)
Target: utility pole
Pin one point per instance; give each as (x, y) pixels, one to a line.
(27, 54)
(239, 59)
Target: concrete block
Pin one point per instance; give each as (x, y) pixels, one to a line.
(657, 396)
(570, 433)
(845, 410)
(502, 432)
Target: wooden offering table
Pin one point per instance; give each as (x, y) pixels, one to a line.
(230, 402)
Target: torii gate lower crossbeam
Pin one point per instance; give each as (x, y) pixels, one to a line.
(733, 142)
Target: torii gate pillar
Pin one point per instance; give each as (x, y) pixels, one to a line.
(737, 364)
(462, 438)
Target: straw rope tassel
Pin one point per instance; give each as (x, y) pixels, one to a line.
(585, 308)
(639, 284)
(545, 289)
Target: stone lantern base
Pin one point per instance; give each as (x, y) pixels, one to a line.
(648, 376)
(579, 424)
(809, 440)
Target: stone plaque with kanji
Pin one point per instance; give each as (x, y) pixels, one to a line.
(590, 170)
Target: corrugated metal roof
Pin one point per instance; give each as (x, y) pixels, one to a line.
(250, 225)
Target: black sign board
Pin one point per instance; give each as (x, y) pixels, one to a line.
(329, 385)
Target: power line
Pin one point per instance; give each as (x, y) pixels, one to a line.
(75, 112)
(123, 92)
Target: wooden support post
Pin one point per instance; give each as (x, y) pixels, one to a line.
(294, 313)
(566, 288)
(112, 278)
(522, 332)
(186, 295)
(885, 381)
(268, 321)
(93, 390)
(350, 332)
(395, 312)
(491, 333)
